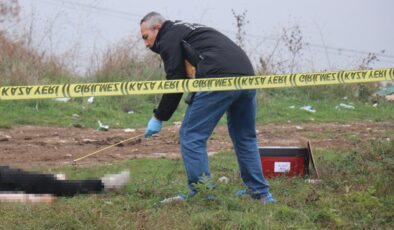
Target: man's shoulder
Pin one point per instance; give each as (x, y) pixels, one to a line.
(188, 25)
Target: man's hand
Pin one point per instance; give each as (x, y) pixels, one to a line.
(154, 126)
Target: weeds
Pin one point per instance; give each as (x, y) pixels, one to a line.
(351, 195)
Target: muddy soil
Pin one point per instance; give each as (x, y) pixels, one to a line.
(31, 146)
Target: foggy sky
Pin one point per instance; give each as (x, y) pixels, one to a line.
(359, 25)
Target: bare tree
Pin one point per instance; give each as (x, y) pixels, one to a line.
(240, 24)
(9, 12)
(293, 41)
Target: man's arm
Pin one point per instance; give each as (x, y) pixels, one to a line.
(171, 54)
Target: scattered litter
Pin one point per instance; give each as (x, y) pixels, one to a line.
(173, 199)
(299, 127)
(344, 98)
(292, 107)
(313, 181)
(223, 180)
(90, 100)
(130, 112)
(344, 106)
(387, 93)
(62, 99)
(75, 116)
(390, 97)
(375, 104)
(69, 155)
(308, 108)
(102, 127)
(129, 130)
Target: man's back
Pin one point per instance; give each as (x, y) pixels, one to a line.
(219, 55)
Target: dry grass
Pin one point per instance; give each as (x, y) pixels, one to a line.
(20, 65)
(125, 61)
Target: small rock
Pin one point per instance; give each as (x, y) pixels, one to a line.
(88, 141)
(4, 137)
(78, 126)
(129, 130)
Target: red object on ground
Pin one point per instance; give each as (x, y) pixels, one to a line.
(289, 161)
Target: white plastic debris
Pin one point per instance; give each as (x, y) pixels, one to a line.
(223, 180)
(344, 106)
(63, 99)
(313, 181)
(102, 127)
(308, 108)
(90, 100)
(292, 107)
(173, 199)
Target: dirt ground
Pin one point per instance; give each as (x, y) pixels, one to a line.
(30, 146)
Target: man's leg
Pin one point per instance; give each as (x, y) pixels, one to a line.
(241, 121)
(200, 119)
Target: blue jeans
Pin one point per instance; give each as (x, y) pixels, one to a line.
(199, 122)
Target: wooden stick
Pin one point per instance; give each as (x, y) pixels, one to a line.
(100, 150)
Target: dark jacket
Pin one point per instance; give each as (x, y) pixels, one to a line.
(212, 53)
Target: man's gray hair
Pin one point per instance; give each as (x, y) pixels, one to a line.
(152, 19)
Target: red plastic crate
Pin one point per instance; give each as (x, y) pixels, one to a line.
(290, 161)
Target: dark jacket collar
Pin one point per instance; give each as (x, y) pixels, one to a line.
(163, 30)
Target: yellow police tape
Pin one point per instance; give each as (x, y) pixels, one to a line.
(194, 85)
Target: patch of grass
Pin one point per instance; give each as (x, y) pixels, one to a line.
(356, 192)
(288, 109)
(113, 111)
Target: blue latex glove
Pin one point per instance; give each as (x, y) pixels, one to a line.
(154, 126)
